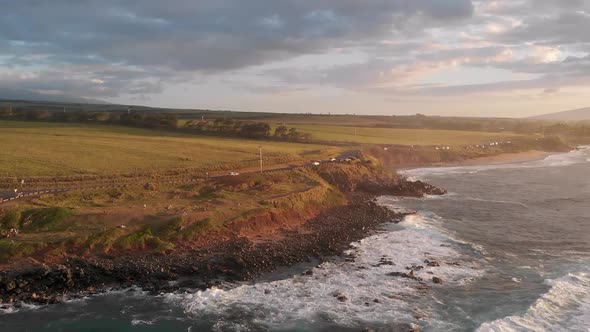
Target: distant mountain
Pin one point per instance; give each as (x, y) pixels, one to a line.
(582, 114)
(13, 94)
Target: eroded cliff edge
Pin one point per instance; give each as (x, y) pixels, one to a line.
(331, 207)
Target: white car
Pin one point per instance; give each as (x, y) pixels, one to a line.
(316, 163)
(234, 173)
(333, 159)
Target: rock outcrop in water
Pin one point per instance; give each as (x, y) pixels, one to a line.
(401, 188)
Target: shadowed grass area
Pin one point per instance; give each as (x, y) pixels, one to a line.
(36, 220)
(44, 219)
(13, 250)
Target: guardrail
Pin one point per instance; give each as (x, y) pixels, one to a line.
(31, 193)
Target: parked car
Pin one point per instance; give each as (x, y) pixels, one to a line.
(316, 163)
(234, 173)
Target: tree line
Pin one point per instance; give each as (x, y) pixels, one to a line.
(576, 130)
(131, 119)
(155, 120)
(231, 127)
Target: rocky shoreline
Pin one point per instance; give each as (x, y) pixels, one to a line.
(237, 259)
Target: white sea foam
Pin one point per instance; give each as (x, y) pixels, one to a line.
(566, 306)
(9, 308)
(392, 202)
(580, 155)
(372, 296)
(431, 220)
(137, 322)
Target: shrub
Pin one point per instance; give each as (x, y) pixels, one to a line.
(103, 241)
(143, 239)
(14, 250)
(10, 219)
(45, 219)
(169, 228)
(197, 229)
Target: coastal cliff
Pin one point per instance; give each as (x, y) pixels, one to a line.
(320, 219)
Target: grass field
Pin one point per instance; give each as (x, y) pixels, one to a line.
(368, 135)
(48, 149)
(90, 221)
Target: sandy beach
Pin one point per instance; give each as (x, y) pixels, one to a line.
(505, 158)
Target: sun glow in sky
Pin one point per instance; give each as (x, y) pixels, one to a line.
(455, 57)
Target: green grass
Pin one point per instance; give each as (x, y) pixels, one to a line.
(14, 250)
(368, 135)
(44, 219)
(10, 219)
(49, 149)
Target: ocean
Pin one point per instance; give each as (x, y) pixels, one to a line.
(510, 243)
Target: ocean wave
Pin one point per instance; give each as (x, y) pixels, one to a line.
(130, 292)
(11, 308)
(358, 292)
(580, 155)
(456, 197)
(137, 322)
(566, 306)
(426, 219)
(392, 203)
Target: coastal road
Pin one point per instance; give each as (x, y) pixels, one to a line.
(8, 196)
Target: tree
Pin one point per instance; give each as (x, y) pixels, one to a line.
(255, 130)
(37, 115)
(281, 132)
(293, 133)
(99, 117)
(114, 117)
(6, 113)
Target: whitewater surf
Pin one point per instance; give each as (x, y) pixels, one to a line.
(508, 249)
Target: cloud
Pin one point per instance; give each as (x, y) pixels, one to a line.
(85, 81)
(183, 38)
(19, 94)
(207, 35)
(560, 29)
(139, 48)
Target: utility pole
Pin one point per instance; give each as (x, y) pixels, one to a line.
(260, 152)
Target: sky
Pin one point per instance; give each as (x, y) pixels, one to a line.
(509, 58)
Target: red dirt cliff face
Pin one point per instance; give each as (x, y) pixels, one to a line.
(288, 213)
(335, 210)
(370, 179)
